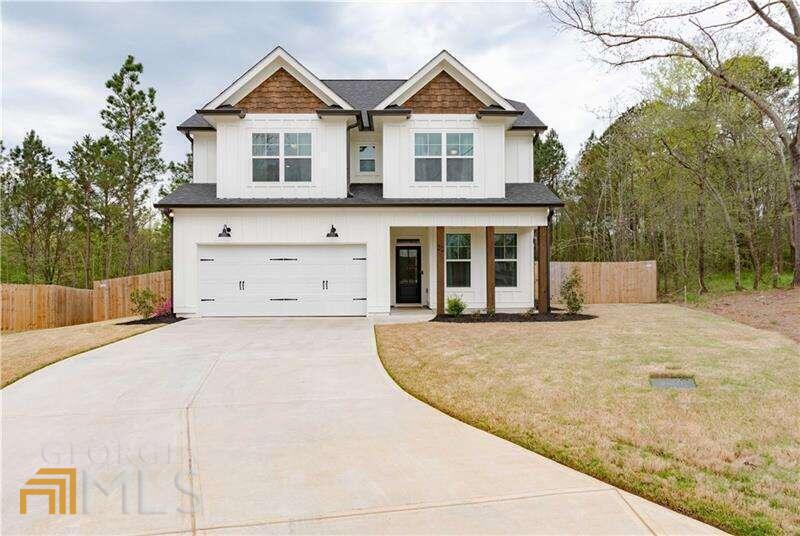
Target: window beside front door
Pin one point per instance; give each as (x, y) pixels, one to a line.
(455, 163)
(505, 260)
(458, 254)
(366, 158)
(280, 157)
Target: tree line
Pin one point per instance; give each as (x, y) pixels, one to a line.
(703, 174)
(691, 177)
(89, 216)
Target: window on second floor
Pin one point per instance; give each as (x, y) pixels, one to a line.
(366, 158)
(289, 161)
(455, 163)
(505, 260)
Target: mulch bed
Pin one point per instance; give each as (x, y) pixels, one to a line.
(511, 317)
(165, 319)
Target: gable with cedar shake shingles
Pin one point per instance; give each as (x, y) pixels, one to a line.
(443, 95)
(281, 93)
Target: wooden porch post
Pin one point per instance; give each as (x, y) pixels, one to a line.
(490, 269)
(440, 270)
(543, 272)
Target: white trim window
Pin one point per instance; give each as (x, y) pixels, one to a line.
(458, 260)
(281, 157)
(460, 152)
(456, 163)
(367, 159)
(428, 156)
(266, 157)
(505, 260)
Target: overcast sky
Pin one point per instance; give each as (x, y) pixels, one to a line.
(57, 57)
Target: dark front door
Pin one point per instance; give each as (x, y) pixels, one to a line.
(408, 269)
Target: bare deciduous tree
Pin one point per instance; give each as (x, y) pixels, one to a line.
(632, 32)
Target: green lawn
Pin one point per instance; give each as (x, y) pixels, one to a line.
(727, 453)
(721, 283)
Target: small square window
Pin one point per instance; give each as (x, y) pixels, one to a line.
(366, 159)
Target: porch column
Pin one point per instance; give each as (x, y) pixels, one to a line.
(440, 270)
(543, 272)
(490, 270)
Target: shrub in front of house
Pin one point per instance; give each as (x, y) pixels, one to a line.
(164, 308)
(455, 305)
(144, 302)
(572, 292)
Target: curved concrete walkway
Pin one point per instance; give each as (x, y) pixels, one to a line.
(275, 426)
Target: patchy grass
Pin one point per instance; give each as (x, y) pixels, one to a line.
(727, 452)
(24, 352)
(773, 309)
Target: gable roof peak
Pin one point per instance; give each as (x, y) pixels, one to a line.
(278, 58)
(444, 61)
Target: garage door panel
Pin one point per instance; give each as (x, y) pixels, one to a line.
(282, 280)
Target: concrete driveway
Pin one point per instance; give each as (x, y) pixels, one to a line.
(275, 426)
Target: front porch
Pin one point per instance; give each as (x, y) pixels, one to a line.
(430, 264)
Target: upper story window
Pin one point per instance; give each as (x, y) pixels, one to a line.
(505, 260)
(459, 156)
(366, 158)
(281, 156)
(458, 255)
(455, 163)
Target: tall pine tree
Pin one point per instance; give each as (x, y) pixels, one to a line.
(134, 125)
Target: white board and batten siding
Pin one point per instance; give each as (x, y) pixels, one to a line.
(204, 156)
(488, 164)
(328, 156)
(368, 228)
(282, 280)
(519, 157)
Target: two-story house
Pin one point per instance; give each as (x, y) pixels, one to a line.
(351, 197)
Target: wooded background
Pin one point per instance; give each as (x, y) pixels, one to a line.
(702, 175)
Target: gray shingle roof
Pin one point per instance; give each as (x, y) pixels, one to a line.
(363, 195)
(528, 119)
(364, 95)
(196, 122)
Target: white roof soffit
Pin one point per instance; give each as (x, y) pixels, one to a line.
(265, 68)
(444, 61)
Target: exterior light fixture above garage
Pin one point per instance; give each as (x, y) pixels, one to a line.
(226, 232)
(332, 233)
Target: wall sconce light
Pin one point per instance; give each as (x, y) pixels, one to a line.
(332, 233)
(171, 214)
(226, 232)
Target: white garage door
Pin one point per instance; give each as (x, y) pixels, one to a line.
(283, 280)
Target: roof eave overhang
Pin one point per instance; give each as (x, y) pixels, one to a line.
(322, 112)
(498, 113)
(530, 129)
(223, 111)
(357, 205)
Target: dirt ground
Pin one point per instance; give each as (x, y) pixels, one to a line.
(24, 352)
(726, 452)
(775, 310)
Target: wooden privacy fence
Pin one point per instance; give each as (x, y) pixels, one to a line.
(50, 306)
(44, 306)
(112, 297)
(609, 282)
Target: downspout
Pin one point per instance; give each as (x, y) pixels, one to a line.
(347, 156)
(171, 217)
